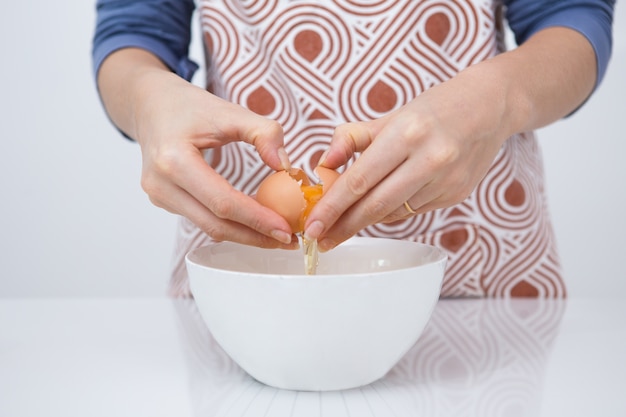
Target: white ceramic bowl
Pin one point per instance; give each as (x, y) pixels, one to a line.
(345, 327)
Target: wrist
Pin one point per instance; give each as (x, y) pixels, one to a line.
(125, 80)
(507, 102)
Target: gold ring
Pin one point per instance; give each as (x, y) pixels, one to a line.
(408, 208)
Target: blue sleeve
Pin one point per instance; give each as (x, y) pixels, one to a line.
(592, 18)
(162, 27)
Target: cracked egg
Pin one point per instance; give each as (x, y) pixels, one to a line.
(293, 195)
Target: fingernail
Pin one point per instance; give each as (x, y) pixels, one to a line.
(314, 230)
(284, 159)
(323, 158)
(292, 246)
(281, 236)
(326, 244)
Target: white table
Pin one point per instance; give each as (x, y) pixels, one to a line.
(154, 357)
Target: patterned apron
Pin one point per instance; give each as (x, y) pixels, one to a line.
(312, 65)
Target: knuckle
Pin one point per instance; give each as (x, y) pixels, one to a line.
(156, 201)
(414, 130)
(377, 209)
(268, 128)
(148, 185)
(214, 230)
(357, 184)
(444, 156)
(258, 225)
(344, 129)
(151, 186)
(273, 128)
(166, 162)
(352, 137)
(162, 165)
(223, 207)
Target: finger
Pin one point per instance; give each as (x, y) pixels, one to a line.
(267, 137)
(190, 172)
(383, 203)
(235, 123)
(425, 199)
(183, 203)
(348, 139)
(379, 160)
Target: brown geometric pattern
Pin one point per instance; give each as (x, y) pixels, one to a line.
(314, 65)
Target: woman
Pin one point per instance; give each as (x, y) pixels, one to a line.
(419, 101)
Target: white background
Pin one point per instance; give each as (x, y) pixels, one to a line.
(75, 222)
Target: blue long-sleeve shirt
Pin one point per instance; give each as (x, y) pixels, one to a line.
(163, 27)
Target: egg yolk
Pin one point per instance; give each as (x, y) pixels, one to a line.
(312, 194)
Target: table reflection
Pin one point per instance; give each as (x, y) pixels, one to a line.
(480, 357)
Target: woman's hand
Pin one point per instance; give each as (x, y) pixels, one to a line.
(432, 152)
(174, 122)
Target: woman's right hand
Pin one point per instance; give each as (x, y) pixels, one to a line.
(174, 121)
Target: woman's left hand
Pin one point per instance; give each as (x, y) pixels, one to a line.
(430, 153)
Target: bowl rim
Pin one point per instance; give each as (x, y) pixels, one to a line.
(441, 256)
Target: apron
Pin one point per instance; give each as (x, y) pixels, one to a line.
(314, 65)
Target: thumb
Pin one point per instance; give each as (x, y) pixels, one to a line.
(268, 139)
(348, 139)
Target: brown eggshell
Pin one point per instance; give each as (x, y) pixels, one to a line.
(281, 193)
(326, 176)
(299, 175)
